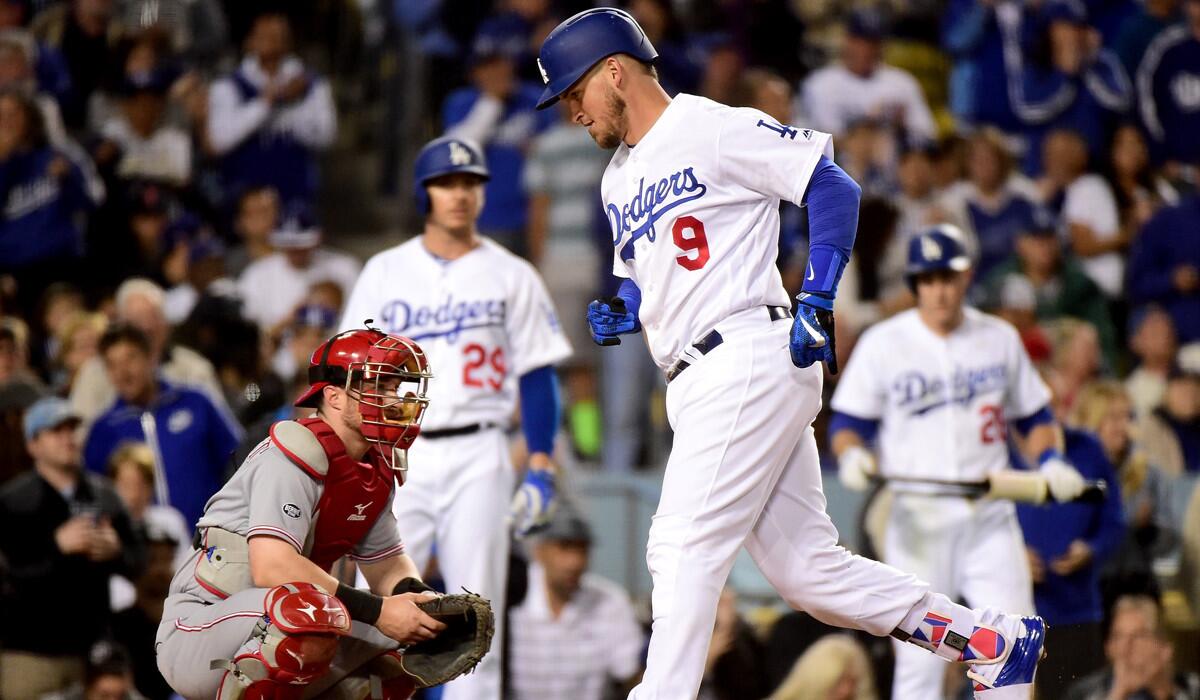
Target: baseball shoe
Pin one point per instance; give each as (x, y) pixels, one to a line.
(1004, 652)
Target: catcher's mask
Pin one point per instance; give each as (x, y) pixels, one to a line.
(387, 375)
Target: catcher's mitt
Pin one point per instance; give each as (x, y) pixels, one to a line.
(459, 647)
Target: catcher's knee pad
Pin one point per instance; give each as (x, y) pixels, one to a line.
(291, 647)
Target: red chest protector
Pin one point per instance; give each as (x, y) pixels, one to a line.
(355, 493)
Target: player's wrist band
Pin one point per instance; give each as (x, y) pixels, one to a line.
(409, 584)
(363, 606)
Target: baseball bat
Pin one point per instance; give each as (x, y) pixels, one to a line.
(1019, 486)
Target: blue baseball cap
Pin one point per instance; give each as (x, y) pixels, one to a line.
(48, 413)
(297, 230)
(939, 248)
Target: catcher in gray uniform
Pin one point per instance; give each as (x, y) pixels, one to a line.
(255, 613)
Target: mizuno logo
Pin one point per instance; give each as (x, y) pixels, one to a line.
(360, 508)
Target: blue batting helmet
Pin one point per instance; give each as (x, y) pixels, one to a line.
(584, 40)
(445, 156)
(939, 248)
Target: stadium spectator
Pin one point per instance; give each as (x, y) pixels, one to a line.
(1077, 85)
(677, 71)
(44, 192)
(131, 471)
(1017, 304)
(268, 119)
(128, 237)
(1104, 409)
(138, 138)
(19, 389)
(993, 202)
(107, 676)
(575, 633)
(1061, 286)
(1139, 190)
(257, 215)
(1089, 215)
(78, 341)
(1172, 431)
(865, 152)
(86, 33)
(62, 533)
(836, 667)
(1076, 360)
(273, 287)
(861, 86)
(140, 302)
(1164, 266)
(1154, 344)
(975, 35)
(1067, 545)
(196, 264)
(191, 438)
(1147, 21)
(136, 626)
(733, 668)
(1190, 563)
(18, 52)
(1166, 90)
(723, 65)
(311, 325)
(497, 110)
(562, 175)
(1141, 661)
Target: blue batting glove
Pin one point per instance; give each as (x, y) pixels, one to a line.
(812, 332)
(534, 503)
(609, 318)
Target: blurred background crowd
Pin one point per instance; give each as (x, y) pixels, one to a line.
(189, 188)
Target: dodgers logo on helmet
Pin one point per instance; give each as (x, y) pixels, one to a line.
(582, 41)
(939, 248)
(446, 156)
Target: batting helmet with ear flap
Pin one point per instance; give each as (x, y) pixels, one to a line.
(939, 248)
(446, 156)
(582, 41)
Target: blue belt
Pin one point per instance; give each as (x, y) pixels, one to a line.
(713, 340)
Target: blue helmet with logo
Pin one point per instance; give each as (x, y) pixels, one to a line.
(584, 40)
(446, 156)
(939, 248)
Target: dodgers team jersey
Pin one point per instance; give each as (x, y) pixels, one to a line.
(694, 214)
(483, 320)
(943, 404)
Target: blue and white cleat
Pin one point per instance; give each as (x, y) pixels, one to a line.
(1007, 658)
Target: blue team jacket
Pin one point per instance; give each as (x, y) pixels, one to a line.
(195, 438)
(39, 211)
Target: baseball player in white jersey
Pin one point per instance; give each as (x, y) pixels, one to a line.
(692, 195)
(937, 387)
(486, 322)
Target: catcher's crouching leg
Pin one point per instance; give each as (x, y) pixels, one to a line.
(291, 646)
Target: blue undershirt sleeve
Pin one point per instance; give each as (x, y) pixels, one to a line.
(832, 200)
(540, 408)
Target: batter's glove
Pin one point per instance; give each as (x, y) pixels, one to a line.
(609, 318)
(1064, 482)
(534, 503)
(812, 332)
(458, 648)
(856, 466)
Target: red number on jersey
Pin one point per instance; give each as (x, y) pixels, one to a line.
(695, 240)
(993, 428)
(480, 362)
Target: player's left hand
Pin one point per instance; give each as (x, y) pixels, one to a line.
(1064, 481)
(534, 503)
(609, 318)
(813, 333)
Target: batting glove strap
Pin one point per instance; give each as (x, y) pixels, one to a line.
(813, 335)
(534, 503)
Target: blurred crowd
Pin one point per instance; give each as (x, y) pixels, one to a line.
(166, 269)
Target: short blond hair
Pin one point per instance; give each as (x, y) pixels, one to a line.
(136, 453)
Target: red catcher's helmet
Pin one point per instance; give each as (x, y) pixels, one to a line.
(387, 374)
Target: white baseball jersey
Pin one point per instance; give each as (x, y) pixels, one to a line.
(943, 404)
(483, 320)
(694, 214)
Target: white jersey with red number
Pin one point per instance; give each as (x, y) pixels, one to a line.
(694, 214)
(943, 404)
(483, 320)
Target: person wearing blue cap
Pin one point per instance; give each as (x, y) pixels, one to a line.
(63, 532)
(137, 140)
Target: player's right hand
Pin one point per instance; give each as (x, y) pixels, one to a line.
(812, 332)
(855, 467)
(1064, 481)
(608, 318)
(401, 619)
